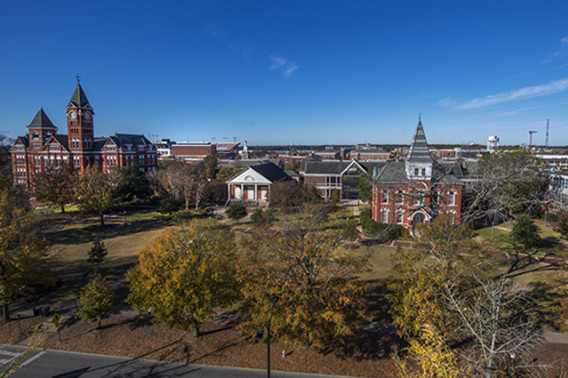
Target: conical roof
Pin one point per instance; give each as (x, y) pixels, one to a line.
(419, 147)
(79, 99)
(41, 121)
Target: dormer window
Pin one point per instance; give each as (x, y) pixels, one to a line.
(416, 172)
(423, 172)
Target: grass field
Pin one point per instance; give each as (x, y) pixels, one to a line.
(71, 237)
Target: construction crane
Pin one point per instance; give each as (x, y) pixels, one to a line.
(531, 132)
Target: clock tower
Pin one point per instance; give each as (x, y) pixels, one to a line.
(80, 128)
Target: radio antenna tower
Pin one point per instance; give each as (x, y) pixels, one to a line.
(546, 139)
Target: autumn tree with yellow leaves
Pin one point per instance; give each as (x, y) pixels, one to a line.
(446, 292)
(21, 248)
(315, 279)
(185, 275)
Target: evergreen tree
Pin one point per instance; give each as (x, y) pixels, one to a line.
(97, 254)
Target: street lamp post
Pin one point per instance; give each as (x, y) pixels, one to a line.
(260, 333)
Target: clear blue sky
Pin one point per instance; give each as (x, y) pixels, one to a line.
(302, 72)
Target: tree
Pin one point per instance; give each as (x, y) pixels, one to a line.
(504, 183)
(320, 296)
(131, 183)
(96, 193)
(288, 196)
(96, 300)
(236, 211)
(185, 274)
(562, 224)
(21, 248)
(459, 298)
(349, 230)
(210, 164)
(365, 187)
(180, 181)
(525, 231)
(97, 254)
(56, 184)
(227, 172)
(5, 159)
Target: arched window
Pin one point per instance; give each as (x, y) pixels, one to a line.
(451, 197)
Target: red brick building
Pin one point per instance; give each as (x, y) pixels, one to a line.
(43, 146)
(418, 189)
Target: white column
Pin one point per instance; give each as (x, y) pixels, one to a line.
(255, 191)
(229, 191)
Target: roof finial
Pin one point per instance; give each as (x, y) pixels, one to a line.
(420, 117)
(78, 79)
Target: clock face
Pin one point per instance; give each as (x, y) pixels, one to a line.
(73, 115)
(88, 116)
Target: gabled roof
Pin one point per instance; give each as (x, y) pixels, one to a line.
(336, 167)
(41, 121)
(99, 143)
(419, 147)
(394, 172)
(59, 138)
(78, 99)
(24, 140)
(270, 171)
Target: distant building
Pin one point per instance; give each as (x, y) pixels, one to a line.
(417, 189)
(43, 146)
(253, 184)
(227, 150)
(555, 162)
(558, 187)
(192, 152)
(336, 178)
(163, 147)
(370, 154)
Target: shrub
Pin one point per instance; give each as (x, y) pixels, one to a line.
(184, 216)
(382, 231)
(562, 225)
(168, 205)
(236, 210)
(262, 218)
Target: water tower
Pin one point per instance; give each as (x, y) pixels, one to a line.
(492, 143)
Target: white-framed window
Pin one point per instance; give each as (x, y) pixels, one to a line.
(400, 196)
(451, 197)
(399, 216)
(384, 216)
(385, 196)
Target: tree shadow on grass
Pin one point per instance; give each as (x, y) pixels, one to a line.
(378, 304)
(377, 339)
(88, 233)
(374, 342)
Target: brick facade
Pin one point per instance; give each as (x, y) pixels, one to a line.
(43, 146)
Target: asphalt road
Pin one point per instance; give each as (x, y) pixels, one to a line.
(59, 364)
